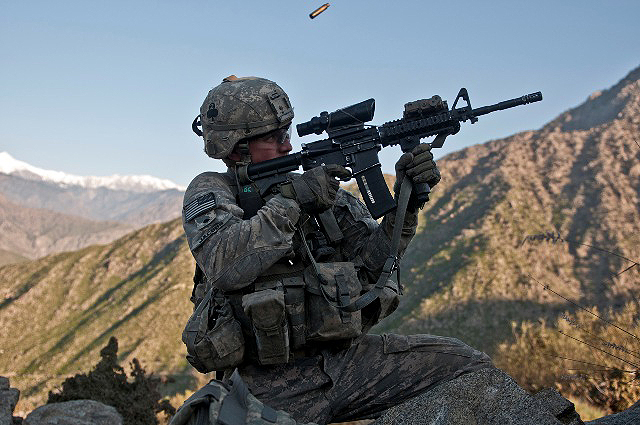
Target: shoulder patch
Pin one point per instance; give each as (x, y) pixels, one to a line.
(199, 205)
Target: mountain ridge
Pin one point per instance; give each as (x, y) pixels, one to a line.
(582, 184)
(133, 183)
(29, 233)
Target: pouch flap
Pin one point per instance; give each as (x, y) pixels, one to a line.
(332, 276)
(266, 308)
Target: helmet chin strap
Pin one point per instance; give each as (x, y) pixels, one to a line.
(241, 166)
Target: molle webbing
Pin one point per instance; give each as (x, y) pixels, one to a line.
(278, 272)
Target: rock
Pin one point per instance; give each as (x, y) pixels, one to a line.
(8, 400)
(76, 412)
(486, 397)
(631, 416)
(560, 407)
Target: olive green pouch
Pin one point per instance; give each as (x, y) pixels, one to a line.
(213, 336)
(330, 286)
(267, 313)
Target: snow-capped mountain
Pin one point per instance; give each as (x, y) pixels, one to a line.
(133, 201)
(140, 184)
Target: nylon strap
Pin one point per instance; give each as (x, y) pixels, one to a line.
(192, 325)
(390, 264)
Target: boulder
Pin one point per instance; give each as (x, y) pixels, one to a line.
(8, 400)
(560, 407)
(631, 416)
(75, 412)
(486, 397)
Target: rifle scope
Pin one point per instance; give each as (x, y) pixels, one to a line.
(358, 113)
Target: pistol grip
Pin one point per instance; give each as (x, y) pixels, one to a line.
(421, 192)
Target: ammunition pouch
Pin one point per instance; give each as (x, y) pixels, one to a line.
(330, 286)
(294, 298)
(288, 314)
(267, 314)
(213, 336)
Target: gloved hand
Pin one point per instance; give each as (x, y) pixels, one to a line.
(419, 166)
(316, 189)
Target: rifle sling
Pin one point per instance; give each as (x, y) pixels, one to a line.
(390, 264)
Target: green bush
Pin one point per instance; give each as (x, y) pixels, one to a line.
(136, 398)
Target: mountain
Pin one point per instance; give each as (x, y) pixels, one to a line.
(28, 233)
(476, 266)
(101, 203)
(71, 212)
(512, 220)
(12, 166)
(134, 200)
(10, 257)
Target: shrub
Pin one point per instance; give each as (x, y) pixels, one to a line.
(137, 399)
(579, 355)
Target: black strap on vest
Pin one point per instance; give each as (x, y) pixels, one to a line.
(330, 226)
(249, 200)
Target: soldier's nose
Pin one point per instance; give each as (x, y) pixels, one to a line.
(285, 147)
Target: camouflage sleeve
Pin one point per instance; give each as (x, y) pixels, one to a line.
(369, 242)
(231, 251)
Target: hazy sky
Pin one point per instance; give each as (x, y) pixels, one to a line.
(105, 87)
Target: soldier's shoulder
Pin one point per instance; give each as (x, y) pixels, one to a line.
(209, 181)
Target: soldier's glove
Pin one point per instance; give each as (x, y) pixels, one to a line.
(316, 189)
(420, 167)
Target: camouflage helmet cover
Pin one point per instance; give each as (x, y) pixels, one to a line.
(240, 108)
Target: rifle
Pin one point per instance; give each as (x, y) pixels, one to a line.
(356, 146)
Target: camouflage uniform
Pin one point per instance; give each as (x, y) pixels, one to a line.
(332, 381)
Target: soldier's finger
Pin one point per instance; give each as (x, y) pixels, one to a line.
(427, 176)
(422, 147)
(333, 187)
(335, 170)
(434, 179)
(404, 161)
(421, 168)
(423, 157)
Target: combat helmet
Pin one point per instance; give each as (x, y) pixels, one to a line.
(241, 108)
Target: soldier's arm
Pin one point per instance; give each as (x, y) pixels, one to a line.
(369, 242)
(231, 251)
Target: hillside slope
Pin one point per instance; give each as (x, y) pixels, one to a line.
(137, 288)
(578, 177)
(34, 232)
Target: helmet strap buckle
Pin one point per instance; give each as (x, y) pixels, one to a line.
(245, 160)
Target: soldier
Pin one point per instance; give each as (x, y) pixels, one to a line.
(268, 287)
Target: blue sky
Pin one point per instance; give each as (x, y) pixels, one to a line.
(99, 88)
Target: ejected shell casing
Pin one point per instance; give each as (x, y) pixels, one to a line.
(318, 10)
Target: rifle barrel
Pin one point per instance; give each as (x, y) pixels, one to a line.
(523, 100)
(274, 166)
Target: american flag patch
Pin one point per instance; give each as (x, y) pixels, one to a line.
(199, 205)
